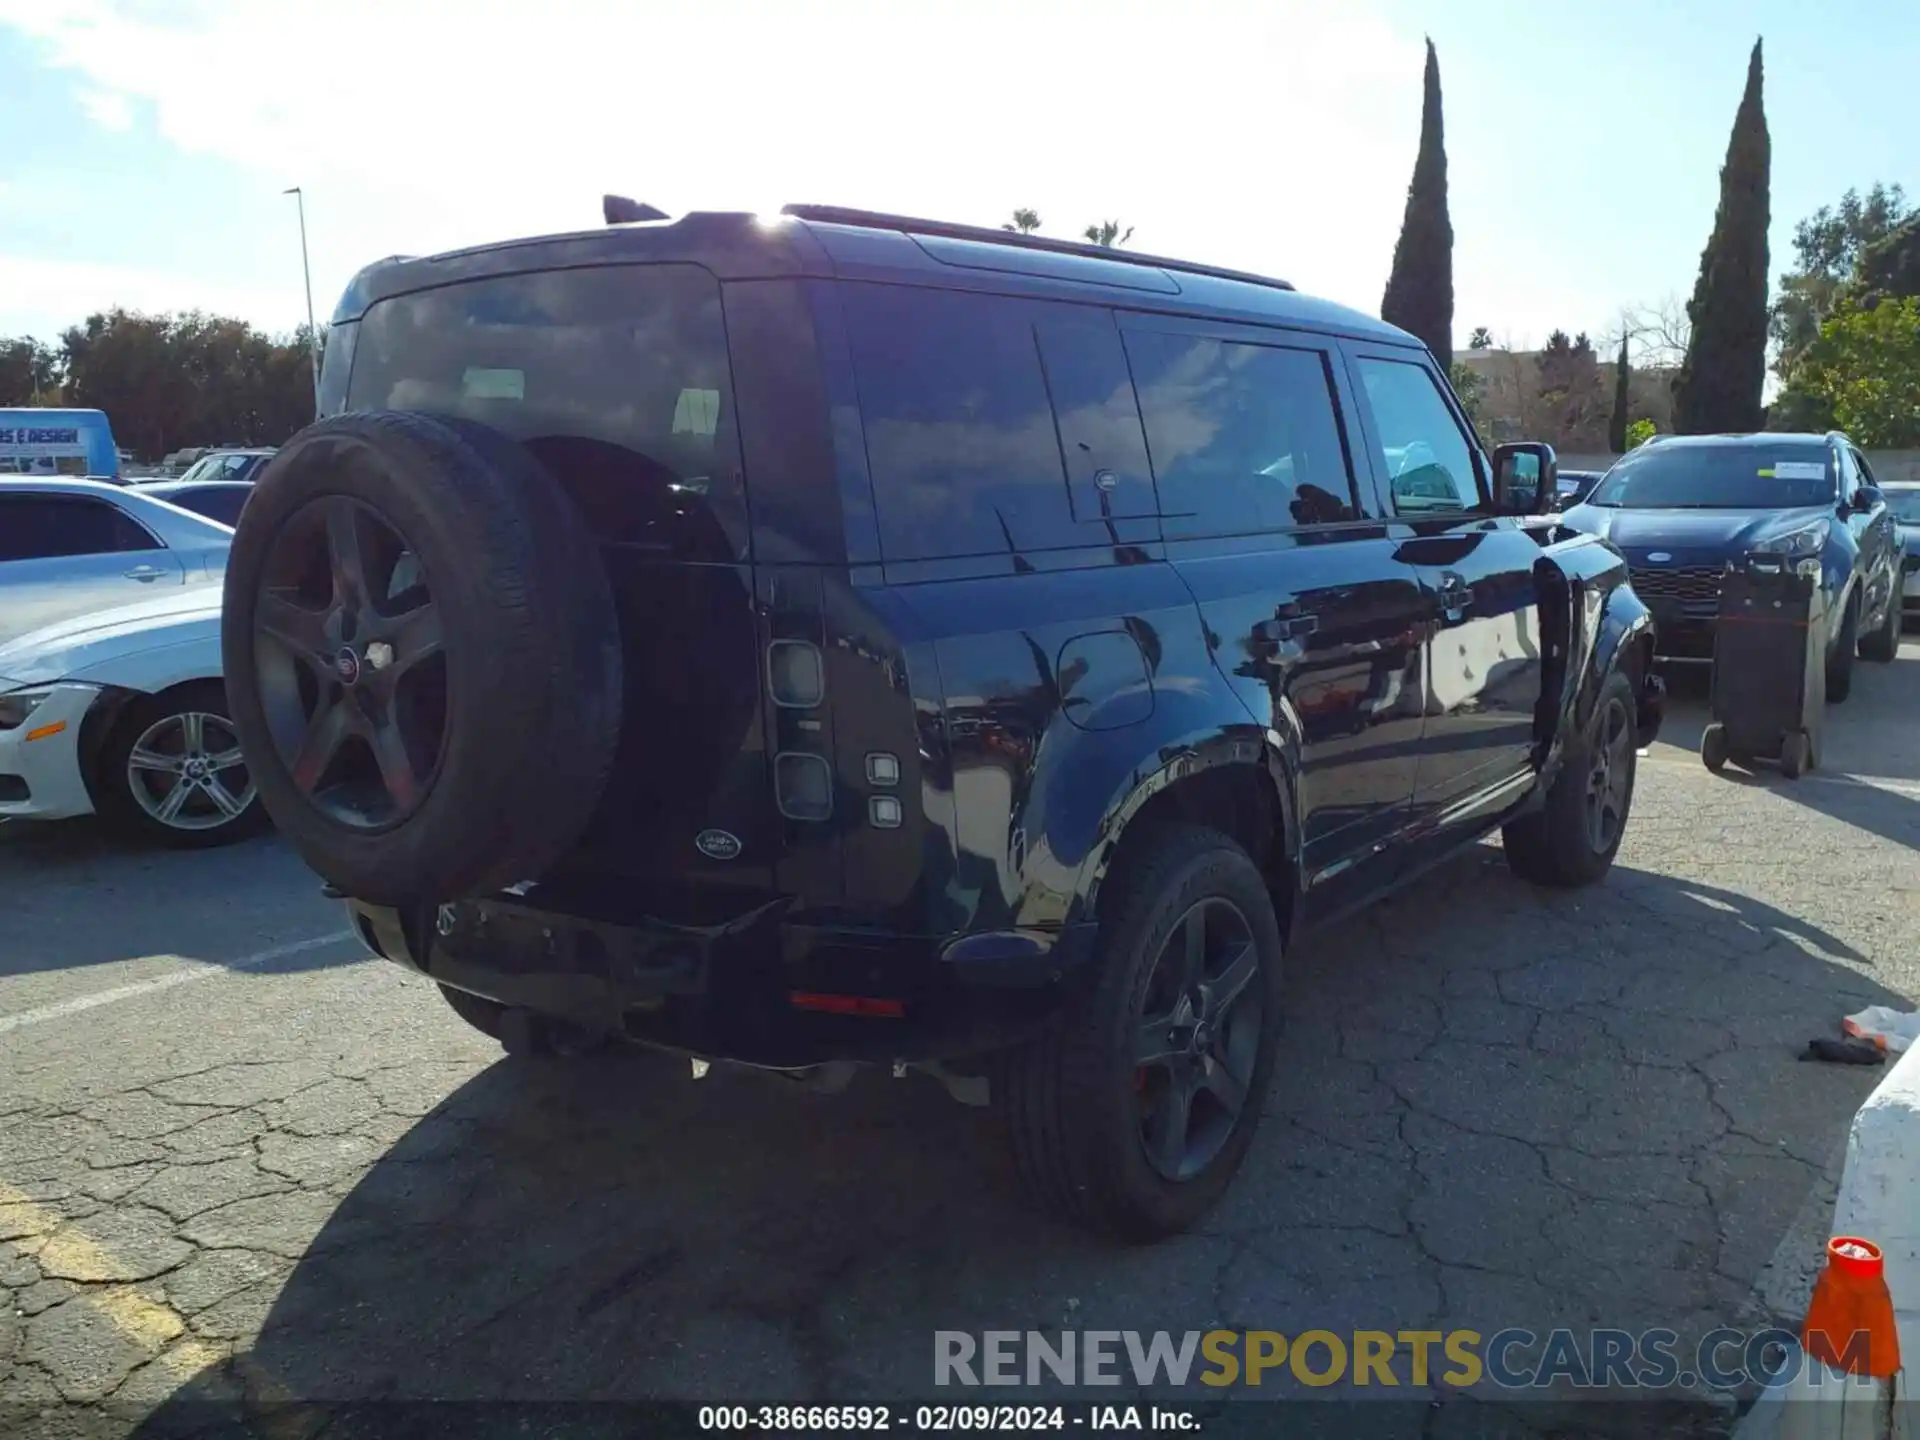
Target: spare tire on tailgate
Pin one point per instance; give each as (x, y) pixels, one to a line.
(422, 656)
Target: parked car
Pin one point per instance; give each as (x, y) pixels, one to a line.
(1574, 487)
(1903, 498)
(1682, 507)
(71, 546)
(226, 464)
(1010, 734)
(122, 713)
(217, 500)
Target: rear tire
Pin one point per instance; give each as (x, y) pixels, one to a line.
(1882, 647)
(1567, 842)
(1139, 1145)
(521, 1034)
(1840, 660)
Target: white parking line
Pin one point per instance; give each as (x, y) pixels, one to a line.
(196, 970)
(1828, 777)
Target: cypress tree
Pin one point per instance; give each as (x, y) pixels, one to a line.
(1617, 426)
(1419, 296)
(1721, 379)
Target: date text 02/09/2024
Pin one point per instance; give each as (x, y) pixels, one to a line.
(941, 1419)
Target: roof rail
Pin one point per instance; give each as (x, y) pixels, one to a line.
(877, 220)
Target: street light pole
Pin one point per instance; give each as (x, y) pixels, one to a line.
(313, 332)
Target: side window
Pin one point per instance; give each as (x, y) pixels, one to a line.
(1244, 438)
(1422, 451)
(42, 527)
(960, 434)
(1108, 476)
(1865, 470)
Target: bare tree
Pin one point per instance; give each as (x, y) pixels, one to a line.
(1659, 332)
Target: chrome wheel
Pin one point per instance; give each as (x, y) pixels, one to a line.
(187, 773)
(1198, 1039)
(1609, 778)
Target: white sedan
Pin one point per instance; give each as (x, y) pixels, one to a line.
(122, 713)
(68, 547)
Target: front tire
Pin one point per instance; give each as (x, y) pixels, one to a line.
(1572, 838)
(1132, 1111)
(1882, 647)
(1840, 659)
(171, 772)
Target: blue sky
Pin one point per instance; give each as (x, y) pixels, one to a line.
(148, 141)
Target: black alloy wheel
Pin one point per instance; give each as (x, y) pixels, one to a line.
(1199, 1038)
(1610, 776)
(352, 675)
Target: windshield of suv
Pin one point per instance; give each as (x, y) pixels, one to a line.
(1905, 505)
(1759, 476)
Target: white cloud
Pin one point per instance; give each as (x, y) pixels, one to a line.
(1271, 135)
(108, 109)
(45, 296)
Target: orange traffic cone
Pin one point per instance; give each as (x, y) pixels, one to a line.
(1849, 1323)
(1843, 1388)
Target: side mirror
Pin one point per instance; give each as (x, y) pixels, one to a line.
(1526, 478)
(1865, 498)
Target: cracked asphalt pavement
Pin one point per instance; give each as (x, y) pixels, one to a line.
(240, 1159)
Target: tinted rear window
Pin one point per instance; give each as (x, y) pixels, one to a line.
(1720, 477)
(959, 428)
(616, 377)
(43, 527)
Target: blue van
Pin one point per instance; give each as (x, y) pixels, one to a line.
(58, 442)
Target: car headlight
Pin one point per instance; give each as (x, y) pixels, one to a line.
(17, 705)
(1808, 540)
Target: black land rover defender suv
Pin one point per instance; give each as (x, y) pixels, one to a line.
(843, 638)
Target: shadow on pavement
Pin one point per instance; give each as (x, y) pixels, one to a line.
(71, 888)
(1495, 1107)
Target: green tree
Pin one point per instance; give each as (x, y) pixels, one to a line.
(1481, 339)
(1471, 390)
(169, 381)
(1721, 380)
(1639, 432)
(1108, 234)
(1866, 367)
(1419, 296)
(1889, 268)
(1617, 424)
(29, 372)
(1024, 222)
(1830, 247)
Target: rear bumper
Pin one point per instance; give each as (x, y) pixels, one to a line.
(727, 992)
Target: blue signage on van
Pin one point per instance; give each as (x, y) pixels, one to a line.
(57, 442)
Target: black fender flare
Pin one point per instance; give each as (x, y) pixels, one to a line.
(1594, 625)
(1221, 748)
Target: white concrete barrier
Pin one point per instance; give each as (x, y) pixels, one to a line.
(1879, 1199)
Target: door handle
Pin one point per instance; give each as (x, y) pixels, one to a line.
(1285, 627)
(144, 573)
